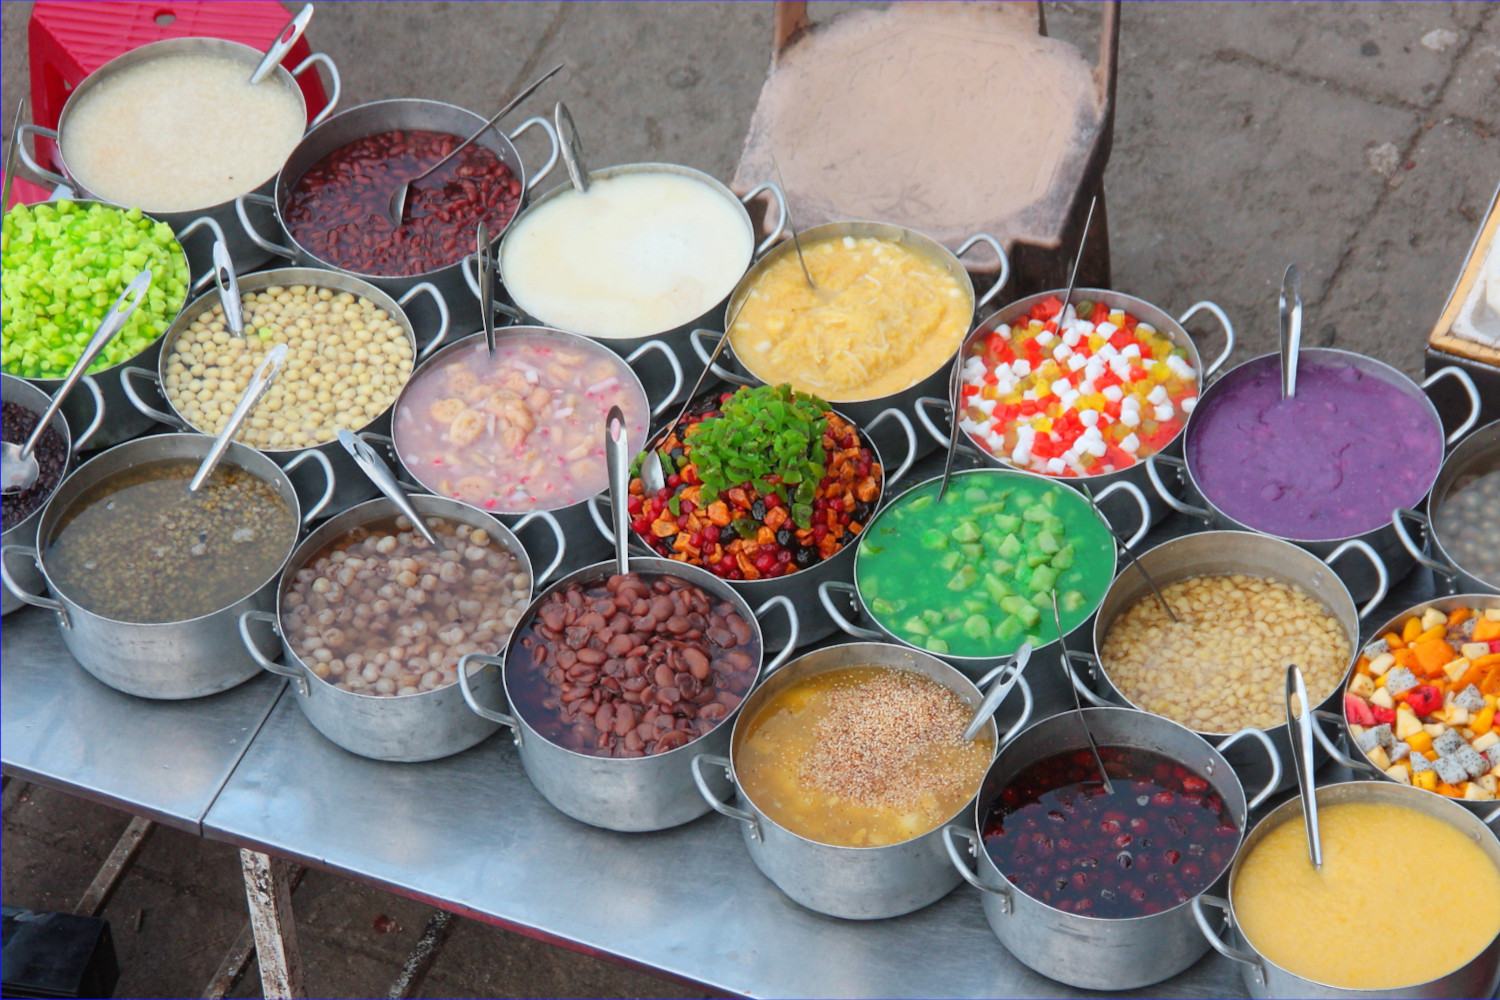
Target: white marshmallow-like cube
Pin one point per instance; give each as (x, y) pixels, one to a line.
(1131, 444)
(1130, 418)
(1157, 396)
(1056, 466)
(1113, 393)
(1077, 362)
(1188, 403)
(1088, 417)
(1163, 413)
(1021, 367)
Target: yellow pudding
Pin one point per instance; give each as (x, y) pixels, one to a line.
(862, 756)
(1325, 925)
(884, 317)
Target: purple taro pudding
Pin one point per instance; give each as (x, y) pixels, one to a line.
(1330, 462)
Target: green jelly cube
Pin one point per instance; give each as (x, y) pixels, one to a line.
(1073, 600)
(1007, 523)
(976, 627)
(1034, 639)
(975, 494)
(1036, 514)
(917, 503)
(967, 531)
(1010, 548)
(1047, 542)
(950, 561)
(932, 538)
(1064, 558)
(936, 645)
(1049, 499)
(881, 606)
(932, 616)
(915, 626)
(1043, 578)
(1009, 630)
(1002, 566)
(1012, 604)
(1043, 600)
(996, 588)
(965, 578)
(1029, 614)
(972, 551)
(986, 509)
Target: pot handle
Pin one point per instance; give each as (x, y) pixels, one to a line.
(972, 836)
(546, 127)
(319, 59)
(315, 455)
(398, 470)
(1027, 701)
(773, 232)
(1398, 518)
(1332, 749)
(1218, 314)
(98, 421)
(1134, 492)
(1492, 818)
(1453, 371)
(35, 131)
(1260, 737)
(131, 371)
(509, 721)
(431, 290)
(994, 245)
(825, 589)
(35, 600)
(893, 413)
(718, 805)
(270, 666)
(599, 500)
(1382, 577)
(733, 378)
(661, 347)
(1092, 662)
(1216, 939)
(921, 406)
(1180, 506)
(784, 603)
(249, 227)
(216, 231)
(557, 534)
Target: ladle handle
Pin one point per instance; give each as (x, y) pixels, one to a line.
(998, 692)
(486, 266)
(228, 284)
(119, 314)
(285, 39)
(1301, 727)
(571, 148)
(10, 155)
(617, 457)
(954, 380)
(380, 474)
(509, 107)
(1291, 329)
(265, 374)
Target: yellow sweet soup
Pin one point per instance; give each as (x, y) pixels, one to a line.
(862, 756)
(884, 317)
(1326, 926)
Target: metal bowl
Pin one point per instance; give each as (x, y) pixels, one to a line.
(1477, 454)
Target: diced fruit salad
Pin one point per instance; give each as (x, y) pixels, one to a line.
(1078, 394)
(973, 574)
(1421, 702)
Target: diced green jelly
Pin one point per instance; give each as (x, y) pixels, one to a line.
(985, 509)
(936, 645)
(1043, 578)
(933, 538)
(953, 613)
(976, 627)
(1073, 600)
(1002, 566)
(975, 605)
(881, 606)
(996, 587)
(1034, 639)
(993, 539)
(1013, 604)
(932, 616)
(967, 531)
(1047, 542)
(1055, 526)
(1036, 513)
(1043, 600)
(917, 503)
(972, 550)
(950, 561)
(1064, 558)
(1010, 548)
(1050, 499)
(1008, 630)
(1030, 615)
(976, 494)
(965, 578)
(915, 626)
(1035, 558)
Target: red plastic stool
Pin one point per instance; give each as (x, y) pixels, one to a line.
(69, 39)
(23, 192)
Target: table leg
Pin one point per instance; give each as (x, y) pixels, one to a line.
(268, 891)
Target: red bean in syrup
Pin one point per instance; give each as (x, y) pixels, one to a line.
(1160, 839)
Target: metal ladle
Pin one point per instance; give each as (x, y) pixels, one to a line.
(1302, 749)
(380, 474)
(265, 374)
(796, 238)
(285, 39)
(18, 467)
(1083, 721)
(486, 265)
(617, 459)
(572, 148)
(998, 692)
(1130, 554)
(10, 155)
(1291, 329)
(228, 284)
(397, 207)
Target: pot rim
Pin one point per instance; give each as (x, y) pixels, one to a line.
(1449, 471)
(59, 420)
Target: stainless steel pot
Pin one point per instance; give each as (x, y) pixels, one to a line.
(1097, 953)
(733, 370)
(372, 119)
(678, 337)
(23, 532)
(1219, 553)
(168, 660)
(855, 883)
(353, 485)
(1264, 979)
(1173, 329)
(802, 585)
(1477, 454)
(247, 255)
(584, 546)
(1382, 539)
(1048, 682)
(1357, 760)
(416, 727)
(627, 794)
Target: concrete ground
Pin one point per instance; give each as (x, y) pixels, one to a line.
(1359, 140)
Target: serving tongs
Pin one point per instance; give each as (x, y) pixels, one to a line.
(380, 474)
(279, 49)
(998, 692)
(1302, 748)
(265, 373)
(1291, 329)
(617, 460)
(18, 466)
(1083, 721)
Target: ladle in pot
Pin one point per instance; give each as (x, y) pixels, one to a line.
(572, 148)
(285, 39)
(1291, 329)
(1130, 554)
(796, 238)
(228, 284)
(997, 693)
(18, 466)
(10, 156)
(617, 459)
(1302, 748)
(1062, 651)
(486, 285)
(265, 374)
(397, 205)
(380, 474)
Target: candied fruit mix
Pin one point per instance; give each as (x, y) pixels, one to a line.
(1421, 702)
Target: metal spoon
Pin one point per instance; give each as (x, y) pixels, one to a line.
(265, 374)
(1130, 554)
(1077, 259)
(228, 284)
(796, 239)
(1083, 721)
(954, 379)
(371, 465)
(572, 148)
(997, 693)
(1291, 329)
(397, 207)
(10, 156)
(617, 458)
(285, 39)
(18, 468)
(486, 265)
(1302, 748)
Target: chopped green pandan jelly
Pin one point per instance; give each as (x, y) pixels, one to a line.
(974, 574)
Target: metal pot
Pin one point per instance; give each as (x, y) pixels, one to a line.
(1173, 329)
(584, 546)
(1227, 552)
(23, 532)
(246, 255)
(1477, 454)
(1383, 538)
(802, 585)
(417, 727)
(628, 794)
(372, 119)
(1048, 682)
(855, 883)
(353, 485)
(678, 337)
(735, 371)
(168, 660)
(1263, 978)
(1097, 953)
(1357, 760)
